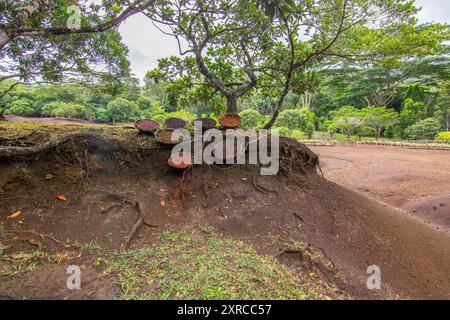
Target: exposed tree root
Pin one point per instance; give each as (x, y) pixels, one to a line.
(308, 253)
(12, 151)
(111, 208)
(35, 233)
(261, 188)
(181, 186)
(35, 144)
(140, 220)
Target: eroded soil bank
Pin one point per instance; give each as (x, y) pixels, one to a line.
(325, 235)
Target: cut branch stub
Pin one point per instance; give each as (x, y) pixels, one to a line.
(175, 123)
(182, 161)
(230, 120)
(207, 123)
(147, 126)
(164, 136)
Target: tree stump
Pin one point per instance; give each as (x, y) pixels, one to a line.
(147, 126)
(207, 123)
(175, 123)
(182, 161)
(230, 120)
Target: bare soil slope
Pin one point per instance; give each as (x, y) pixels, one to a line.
(417, 181)
(276, 214)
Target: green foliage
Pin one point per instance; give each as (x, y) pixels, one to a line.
(411, 113)
(20, 107)
(365, 131)
(292, 119)
(426, 129)
(150, 108)
(85, 56)
(443, 136)
(120, 110)
(379, 118)
(101, 114)
(144, 103)
(251, 119)
(181, 114)
(309, 129)
(72, 110)
(282, 131)
(297, 134)
(346, 119)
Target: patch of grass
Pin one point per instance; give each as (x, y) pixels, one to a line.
(93, 246)
(109, 236)
(200, 264)
(27, 262)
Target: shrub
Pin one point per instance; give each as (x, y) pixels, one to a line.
(20, 107)
(291, 119)
(251, 119)
(120, 110)
(297, 134)
(309, 129)
(282, 131)
(443, 136)
(424, 130)
(160, 118)
(72, 110)
(102, 115)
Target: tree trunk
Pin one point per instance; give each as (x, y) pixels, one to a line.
(273, 119)
(232, 104)
(448, 119)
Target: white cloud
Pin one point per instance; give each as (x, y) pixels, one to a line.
(434, 11)
(146, 44)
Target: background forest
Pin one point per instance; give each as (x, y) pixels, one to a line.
(373, 81)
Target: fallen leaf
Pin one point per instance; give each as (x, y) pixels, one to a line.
(162, 190)
(20, 255)
(61, 197)
(62, 256)
(15, 215)
(163, 203)
(201, 248)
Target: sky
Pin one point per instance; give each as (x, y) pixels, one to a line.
(147, 44)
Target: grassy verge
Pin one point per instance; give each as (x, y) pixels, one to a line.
(200, 264)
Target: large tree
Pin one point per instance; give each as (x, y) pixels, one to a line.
(241, 45)
(56, 40)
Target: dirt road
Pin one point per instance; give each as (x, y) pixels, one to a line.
(417, 181)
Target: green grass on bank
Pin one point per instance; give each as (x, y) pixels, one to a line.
(194, 264)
